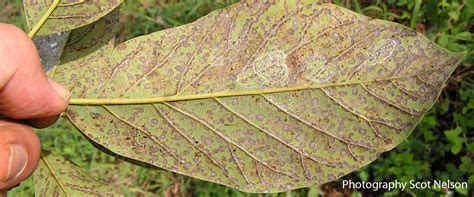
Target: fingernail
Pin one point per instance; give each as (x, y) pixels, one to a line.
(60, 90)
(17, 162)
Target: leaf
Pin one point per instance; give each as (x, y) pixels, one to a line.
(98, 37)
(455, 139)
(315, 191)
(261, 97)
(95, 38)
(461, 190)
(55, 176)
(454, 15)
(470, 180)
(363, 175)
(68, 15)
(443, 40)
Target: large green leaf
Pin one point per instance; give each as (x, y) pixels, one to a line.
(68, 15)
(261, 97)
(56, 176)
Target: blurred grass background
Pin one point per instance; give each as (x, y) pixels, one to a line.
(441, 147)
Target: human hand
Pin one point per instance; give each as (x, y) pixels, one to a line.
(27, 96)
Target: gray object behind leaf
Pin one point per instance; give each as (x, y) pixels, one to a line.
(50, 48)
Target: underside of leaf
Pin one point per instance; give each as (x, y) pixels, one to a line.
(261, 97)
(68, 15)
(56, 176)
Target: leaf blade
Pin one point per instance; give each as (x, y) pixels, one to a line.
(56, 176)
(67, 15)
(327, 96)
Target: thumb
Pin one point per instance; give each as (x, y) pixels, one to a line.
(25, 90)
(20, 151)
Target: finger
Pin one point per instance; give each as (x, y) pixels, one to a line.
(42, 122)
(20, 151)
(25, 90)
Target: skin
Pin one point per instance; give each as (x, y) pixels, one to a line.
(27, 98)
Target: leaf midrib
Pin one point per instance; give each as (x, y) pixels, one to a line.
(125, 101)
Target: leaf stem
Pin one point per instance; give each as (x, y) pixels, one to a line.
(43, 19)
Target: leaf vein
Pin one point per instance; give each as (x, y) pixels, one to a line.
(190, 59)
(46, 162)
(70, 16)
(273, 31)
(413, 95)
(155, 67)
(425, 81)
(408, 111)
(115, 70)
(226, 173)
(352, 153)
(144, 131)
(273, 136)
(303, 43)
(354, 112)
(238, 163)
(224, 137)
(296, 117)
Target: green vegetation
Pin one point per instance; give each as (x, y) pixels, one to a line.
(442, 146)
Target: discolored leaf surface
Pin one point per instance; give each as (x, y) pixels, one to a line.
(261, 97)
(55, 176)
(68, 15)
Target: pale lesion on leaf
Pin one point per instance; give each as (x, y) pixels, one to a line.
(269, 35)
